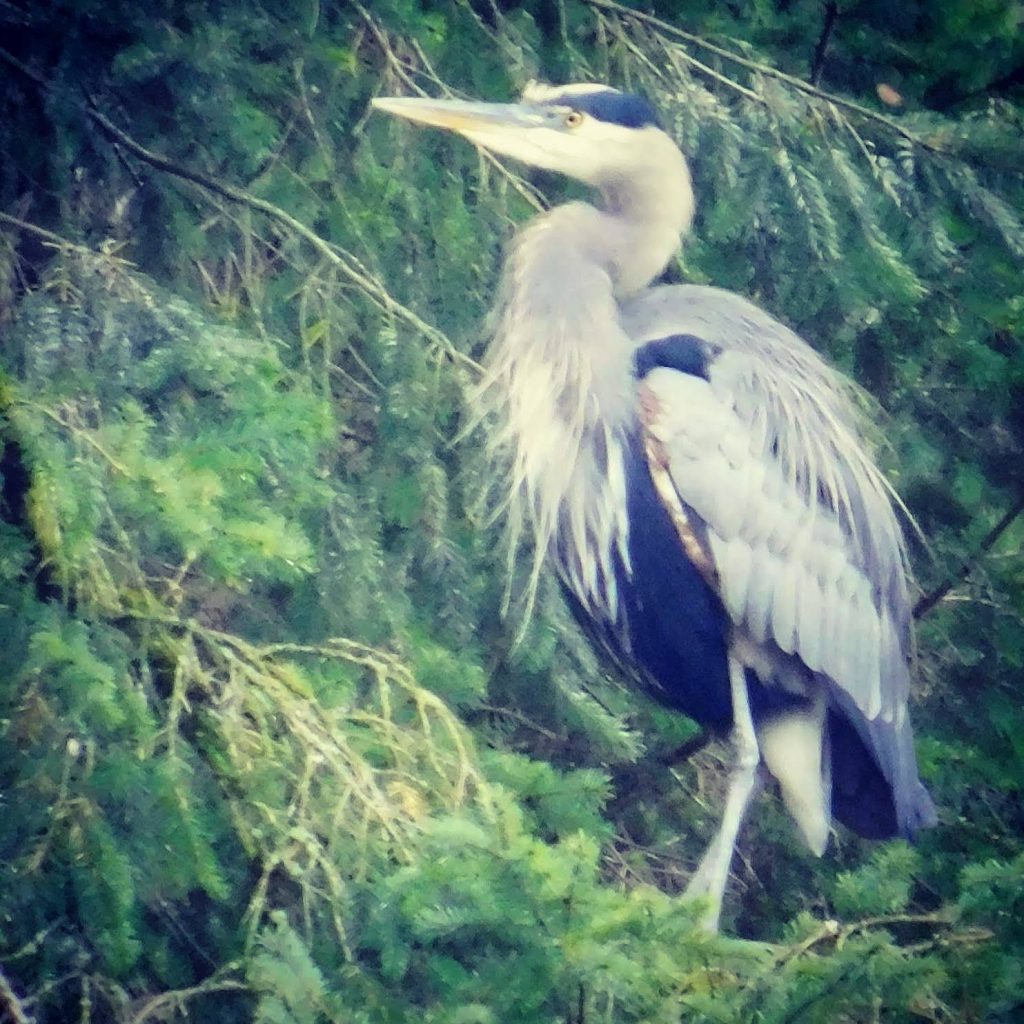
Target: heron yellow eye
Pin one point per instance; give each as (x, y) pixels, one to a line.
(573, 119)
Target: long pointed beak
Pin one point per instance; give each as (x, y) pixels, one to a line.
(458, 115)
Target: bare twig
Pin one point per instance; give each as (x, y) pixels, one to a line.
(686, 750)
(821, 50)
(49, 236)
(929, 601)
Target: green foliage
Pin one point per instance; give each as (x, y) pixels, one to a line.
(269, 749)
(288, 984)
(881, 886)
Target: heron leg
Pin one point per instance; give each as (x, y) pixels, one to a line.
(711, 876)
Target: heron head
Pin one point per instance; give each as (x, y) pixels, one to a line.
(589, 132)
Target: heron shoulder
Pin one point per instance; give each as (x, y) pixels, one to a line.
(721, 318)
(760, 367)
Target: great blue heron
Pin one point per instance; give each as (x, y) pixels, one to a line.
(695, 473)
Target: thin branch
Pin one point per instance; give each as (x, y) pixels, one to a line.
(938, 919)
(176, 999)
(510, 714)
(11, 1003)
(49, 236)
(929, 601)
(821, 50)
(686, 750)
(9, 58)
(676, 52)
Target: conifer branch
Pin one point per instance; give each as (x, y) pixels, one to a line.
(667, 29)
(532, 195)
(83, 434)
(705, 69)
(348, 264)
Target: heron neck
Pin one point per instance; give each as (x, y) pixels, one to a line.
(646, 215)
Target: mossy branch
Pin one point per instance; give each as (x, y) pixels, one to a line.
(176, 999)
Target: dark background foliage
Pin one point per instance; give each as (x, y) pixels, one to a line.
(269, 749)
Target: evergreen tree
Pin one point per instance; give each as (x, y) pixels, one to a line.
(269, 749)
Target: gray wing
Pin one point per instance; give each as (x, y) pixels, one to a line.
(806, 549)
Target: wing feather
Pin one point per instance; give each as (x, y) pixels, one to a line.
(792, 567)
(829, 629)
(758, 609)
(810, 641)
(784, 598)
(734, 562)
